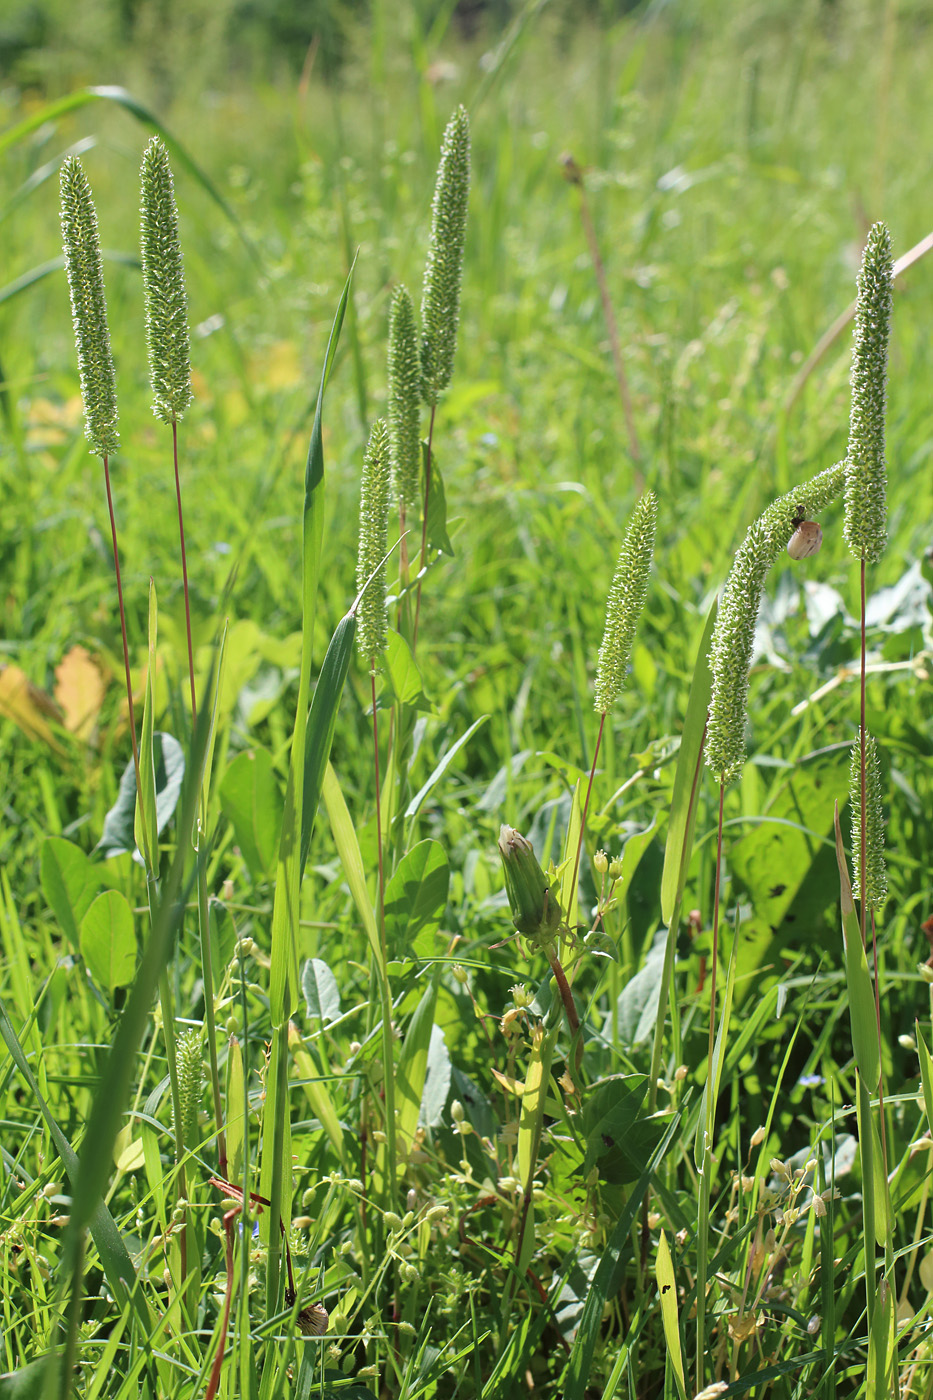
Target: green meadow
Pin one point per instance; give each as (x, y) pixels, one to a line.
(432, 1011)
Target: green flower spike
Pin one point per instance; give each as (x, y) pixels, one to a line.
(534, 904)
(164, 287)
(190, 1083)
(443, 273)
(85, 270)
(876, 879)
(404, 397)
(734, 635)
(370, 564)
(866, 515)
(626, 599)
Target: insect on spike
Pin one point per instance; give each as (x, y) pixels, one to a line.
(805, 540)
(312, 1321)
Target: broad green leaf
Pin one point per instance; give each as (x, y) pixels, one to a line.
(437, 1081)
(319, 986)
(402, 671)
(108, 940)
(69, 882)
(118, 835)
(682, 821)
(620, 1135)
(415, 900)
(251, 799)
(639, 1001)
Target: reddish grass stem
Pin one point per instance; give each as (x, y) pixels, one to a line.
(424, 527)
(184, 574)
(126, 648)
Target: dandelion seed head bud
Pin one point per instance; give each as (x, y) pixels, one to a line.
(535, 908)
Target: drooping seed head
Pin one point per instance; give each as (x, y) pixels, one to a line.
(443, 273)
(866, 509)
(734, 634)
(85, 271)
(164, 287)
(625, 602)
(372, 625)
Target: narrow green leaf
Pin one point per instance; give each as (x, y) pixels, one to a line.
(667, 1289)
(122, 98)
(120, 1066)
(679, 846)
(708, 1100)
(348, 849)
(858, 979)
(415, 804)
(412, 1069)
(882, 1345)
(569, 889)
(108, 940)
(114, 1256)
(319, 1097)
(322, 720)
(437, 535)
(926, 1075)
(608, 1277)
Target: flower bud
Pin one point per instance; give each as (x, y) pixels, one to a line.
(601, 862)
(535, 908)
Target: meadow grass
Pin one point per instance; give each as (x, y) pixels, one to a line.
(487, 1197)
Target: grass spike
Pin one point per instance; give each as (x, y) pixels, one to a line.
(866, 510)
(167, 333)
(85, 271)
(876, 879)
(625, 602)
(443, 273)
(374, 512)
(404, 397)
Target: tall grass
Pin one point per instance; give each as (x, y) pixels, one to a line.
(640, 1148)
